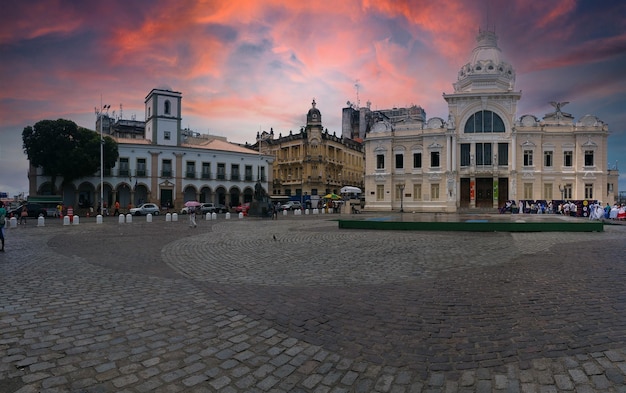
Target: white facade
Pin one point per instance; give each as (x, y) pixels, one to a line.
(481, 156)
(168, 169)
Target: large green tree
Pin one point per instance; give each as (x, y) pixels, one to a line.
(63, 149)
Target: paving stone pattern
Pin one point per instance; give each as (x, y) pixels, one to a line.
(297, 305)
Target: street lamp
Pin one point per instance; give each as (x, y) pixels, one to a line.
(562, 191)
(99, 114)
(401, 187)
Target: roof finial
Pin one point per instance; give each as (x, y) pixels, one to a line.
(313, 102)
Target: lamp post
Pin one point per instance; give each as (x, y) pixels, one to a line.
(401, 187)
(562, 191)
(99, 114)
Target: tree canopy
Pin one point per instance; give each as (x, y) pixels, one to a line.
(63, 149)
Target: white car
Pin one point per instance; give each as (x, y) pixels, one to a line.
(145, 209)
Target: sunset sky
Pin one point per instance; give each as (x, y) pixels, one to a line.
(245, 66)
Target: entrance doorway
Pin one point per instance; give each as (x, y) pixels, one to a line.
(484, 192)
(166, 198)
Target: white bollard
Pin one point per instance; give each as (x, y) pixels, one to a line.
(228, 216)
(306, 212)
(207, 216)
(240, 215)
(168, 217)
(13, 222)
(41, 222)
(316, 211)
(75, 220)
(149, 217)
(285, 212)
(120, 219)
(214, 216)
(174, 216)
(129, 218)
(99, 219)
(66, 220)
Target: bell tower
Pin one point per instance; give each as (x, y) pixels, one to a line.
(163, 116)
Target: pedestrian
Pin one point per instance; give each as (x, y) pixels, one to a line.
(192, 217)
(117, 209)
(23, 215)
(3, 219)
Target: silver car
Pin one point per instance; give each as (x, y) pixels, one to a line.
(145, 209)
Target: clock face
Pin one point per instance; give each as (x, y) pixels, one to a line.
(315, 116)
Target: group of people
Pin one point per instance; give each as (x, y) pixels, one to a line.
(615, 212)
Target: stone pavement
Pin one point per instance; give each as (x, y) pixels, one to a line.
(297, 305)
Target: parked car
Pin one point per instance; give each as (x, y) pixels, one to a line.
(243, 208)
(34, 210)
(291, 205)
(145, 209)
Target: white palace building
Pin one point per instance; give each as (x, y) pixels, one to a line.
(483, 155)
(161, 163)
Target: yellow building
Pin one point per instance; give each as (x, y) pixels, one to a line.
(313, 162)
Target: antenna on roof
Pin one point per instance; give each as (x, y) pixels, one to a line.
(121, 112)
(356, 86)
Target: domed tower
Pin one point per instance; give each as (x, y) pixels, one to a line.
(481, 127)
(314, 123)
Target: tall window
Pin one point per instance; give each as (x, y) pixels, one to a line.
(528, 158)
(483, 154)
(380, 192)
(190, 172)
(434, 192)
(567, 191)
(124, 167)
(166, 168)
(234, 172)
(167, 107)
(434, 159)
(548, 161)
(221, 171)
(547, 191)
(248, 173)
(484, 121)
(399, 161)
(141, 167)
(417, 160)
(568, 158)
(588, 157)
(417, 192)
(588, 191)
(262, 174)
(528, 190)
(503, 154)
(380, 161)
(465, 154)
(206, 170)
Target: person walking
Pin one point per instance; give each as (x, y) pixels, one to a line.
(3, 218)
(23, 215)
(192, 217)
(117, 209)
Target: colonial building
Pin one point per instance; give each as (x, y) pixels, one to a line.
(166, 165)
(483, 154)
(313, 162)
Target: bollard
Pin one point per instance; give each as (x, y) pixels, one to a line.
(228, 216)
(213, 216)
(168, 217)
(306, 212)
(99, 219)
(285, 212)
(66, 220)
(316, 211)
(121, 219)
(41, 222)
(149, 217)
(174, 216)
(240, 215)
(76, 220)
(129, 218)
(13, 222)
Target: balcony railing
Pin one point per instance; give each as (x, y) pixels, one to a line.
(166, 173)
(190, 175)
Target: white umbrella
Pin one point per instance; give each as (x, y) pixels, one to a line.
(350, 190)
(192, 203)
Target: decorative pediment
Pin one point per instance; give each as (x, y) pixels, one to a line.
(435, 122)
(399, 148)
(166, 183)
(589, 144)
(434, 177)
(528, 175)
(435, 146)
(528, 144)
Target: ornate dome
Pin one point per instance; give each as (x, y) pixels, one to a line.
(314, 116)
(486, 70)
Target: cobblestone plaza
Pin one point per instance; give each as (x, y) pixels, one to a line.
(298, 305)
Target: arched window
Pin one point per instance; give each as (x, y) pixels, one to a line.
(167, 107)
(484, 121)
